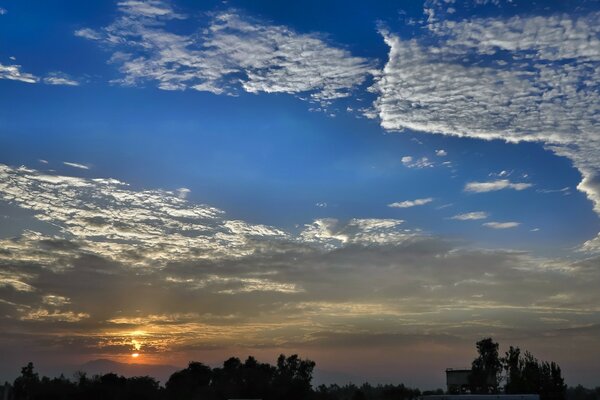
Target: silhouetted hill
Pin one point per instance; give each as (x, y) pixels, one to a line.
(103, 366)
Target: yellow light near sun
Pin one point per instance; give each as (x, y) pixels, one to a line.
(135, 355)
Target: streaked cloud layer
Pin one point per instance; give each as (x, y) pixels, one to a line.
(219, 281)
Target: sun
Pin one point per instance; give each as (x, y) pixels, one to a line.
(135, 355)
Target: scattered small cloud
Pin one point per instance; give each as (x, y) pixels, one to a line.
(411, 203)
(535, 230)
(87, 33)
(321, 204)
(3, 11)
(43, 161)
(501, 225)
(183, 192)
(422, 162)
(565, 191)
(75, 165)
(471, 216)
(502, 174)
(60, 78)
(13, 72)
(441, 153)
(492, 186)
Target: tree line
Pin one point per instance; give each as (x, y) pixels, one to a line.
(291, 379)
(521, 373)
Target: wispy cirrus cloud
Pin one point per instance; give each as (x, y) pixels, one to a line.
(501, 225)
(60, 79)
(232, 53)
(75, 165)
(492, 186)
(13, 72)
(411, 203)
(471, 216)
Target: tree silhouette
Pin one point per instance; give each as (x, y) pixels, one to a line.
(486, 369)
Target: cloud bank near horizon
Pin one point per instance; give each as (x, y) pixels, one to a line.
(219, 282)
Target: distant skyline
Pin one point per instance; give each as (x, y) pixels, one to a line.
(372, 186)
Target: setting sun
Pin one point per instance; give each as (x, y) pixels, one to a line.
(135, 355)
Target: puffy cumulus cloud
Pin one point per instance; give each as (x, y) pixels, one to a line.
(411, 203)
(230, 53)
(492, 186)
(526, 78)
(471, 216)
(13, 72)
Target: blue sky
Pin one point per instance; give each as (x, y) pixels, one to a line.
(464, 126)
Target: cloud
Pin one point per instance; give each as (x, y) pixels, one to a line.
(534, 78)
(422, 162)
(232, 53)
(501, 225)
(14, 73)
(59, 78)
(88, 33)
(411, 203)
(441, 153)
(3, 11)
(492, 186)
(471, 216)
(149, 8)
(75, 165)
(182, 193)
(82, 285)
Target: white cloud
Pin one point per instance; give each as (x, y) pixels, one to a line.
(333, 233)
(149, 8)
(3, 11)
(234, 53)
(13, 72)
(441, 153)
(492, 186)
(75, 165)
(88, 34)
(543, 89)
(501, 225)
(470, 216)
(422, 162)
(60, 78)
(411, 203)
(182, 193)
(139, 227)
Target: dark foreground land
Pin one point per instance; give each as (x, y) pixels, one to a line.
(290, 379)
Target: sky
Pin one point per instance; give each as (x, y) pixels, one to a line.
(372, 185)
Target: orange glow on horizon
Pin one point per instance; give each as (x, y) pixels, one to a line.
(135, 355)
